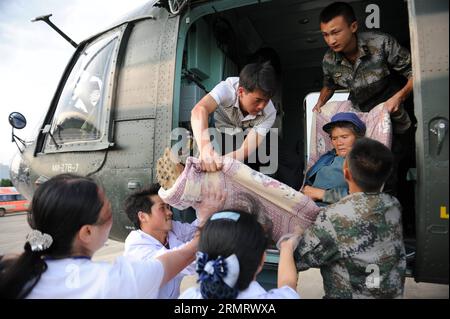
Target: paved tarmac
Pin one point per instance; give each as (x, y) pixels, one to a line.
(14, 228)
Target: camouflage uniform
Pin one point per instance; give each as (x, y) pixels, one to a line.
(371, 80)
(350, 238)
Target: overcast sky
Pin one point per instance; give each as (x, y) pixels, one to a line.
(33, 56)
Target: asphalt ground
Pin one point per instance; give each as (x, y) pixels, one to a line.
(14, 228)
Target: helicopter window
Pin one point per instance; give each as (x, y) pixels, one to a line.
(80, 113)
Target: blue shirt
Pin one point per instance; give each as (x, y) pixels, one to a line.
(328, 174)
(331, 176)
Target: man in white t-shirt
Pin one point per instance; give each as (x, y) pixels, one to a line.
(156, 233)
(239, 104)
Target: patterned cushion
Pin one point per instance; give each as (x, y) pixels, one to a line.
(284, 206)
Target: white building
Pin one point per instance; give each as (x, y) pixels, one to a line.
(4, 171)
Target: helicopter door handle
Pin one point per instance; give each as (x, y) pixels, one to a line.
(440, 128)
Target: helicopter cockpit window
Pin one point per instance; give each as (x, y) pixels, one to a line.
(80, 111)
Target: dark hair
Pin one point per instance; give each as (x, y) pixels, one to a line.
(60, 207)
(259, 76)
(267, 54)
(246, 238)
(347, 125)
(370, 163)
(140, 201)
(338, 9)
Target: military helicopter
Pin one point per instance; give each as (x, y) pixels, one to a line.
(127, 87)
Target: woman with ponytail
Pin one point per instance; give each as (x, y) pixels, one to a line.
(71, 218)
(231, 254)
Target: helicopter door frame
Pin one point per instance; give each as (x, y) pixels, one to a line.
(187, 19)
(429, 47)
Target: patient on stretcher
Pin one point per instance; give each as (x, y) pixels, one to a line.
(333, 133)
(286, 207)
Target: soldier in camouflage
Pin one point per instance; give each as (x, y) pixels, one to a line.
(358, 242)
(367, 64)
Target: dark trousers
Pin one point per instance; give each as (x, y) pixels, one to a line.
(398, 183)
(231, 143)
(289, 161)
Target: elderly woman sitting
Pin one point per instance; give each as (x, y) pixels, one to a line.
(324, 181)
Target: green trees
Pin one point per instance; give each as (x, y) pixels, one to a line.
(5, 182)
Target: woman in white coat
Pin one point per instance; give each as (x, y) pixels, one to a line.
(231, 254)
(71, 219)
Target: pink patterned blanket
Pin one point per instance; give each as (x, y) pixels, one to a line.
(284, 206)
